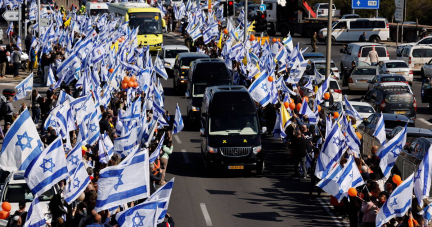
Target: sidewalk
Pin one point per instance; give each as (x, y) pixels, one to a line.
(10, 81)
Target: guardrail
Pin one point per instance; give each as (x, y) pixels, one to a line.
(368, 142)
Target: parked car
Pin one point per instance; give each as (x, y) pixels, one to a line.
(396, 67)
(169, 54)
(412, 133)
(416, 56)
(391, 121)
(426, 70)
(350, 30)
(394, 100)
(425, 41)
(363, 108)
(313, 55)
(358, 80)
(357, 52)
(386, 78)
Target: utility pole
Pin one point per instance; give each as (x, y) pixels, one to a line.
(39, 19)
(19, 20)
(245, 20)
(329, 38)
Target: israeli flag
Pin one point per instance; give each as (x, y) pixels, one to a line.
(305, 110)
(157, 151)
(10, 29)
(160, 69)
(98, 54)
(125, 182)
(68, 70)
(126, 144)
(331, 151)
(48, 168)
(21, 144)
(178, 121)
(51, 79)
(106, 149)
(260, 89)
(352, 140)
(144, 214)
(78, 183)
(93, 127)
(379, 132)
(389, 152)
(163, 194)
(427, 214)
(288, 42)
(74, 157)
(321, 91)
(422, 178)
(350, 111)
(397, 204)
(35, 215)
(25, 86)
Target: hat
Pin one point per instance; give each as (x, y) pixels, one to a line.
(8, 123)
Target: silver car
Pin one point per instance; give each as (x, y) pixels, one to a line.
(396, 67)
(169, 54)
(358, 80)
(426, 70)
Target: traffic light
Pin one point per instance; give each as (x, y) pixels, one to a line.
(261, 24)
(230, 11)
(225, 8)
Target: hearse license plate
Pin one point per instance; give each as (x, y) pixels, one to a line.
(235, 167)
(400, 112)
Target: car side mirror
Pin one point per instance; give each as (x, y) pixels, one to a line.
(202, 132)
(187, 95)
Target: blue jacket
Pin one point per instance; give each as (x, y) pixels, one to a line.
(32, 55)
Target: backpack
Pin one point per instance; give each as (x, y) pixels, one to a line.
(3, 109)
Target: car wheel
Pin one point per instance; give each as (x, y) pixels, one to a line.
(375, 39)
(333, 40)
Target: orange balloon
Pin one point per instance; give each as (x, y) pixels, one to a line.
(335, 115)
(226, 31)
(252, 38)
(111, 70)
(292, 106)
(274, 40)
(131, 83)
(352, 192)
(299, 105)
(319, 108)
(123, 37)
(307, 99)
(286, 104)
(292, 100)
(6, 206)
(359, 135)
(126, 79)
(119, 39)
(270, 78)
(124, 85)
(133, 78)
(135, 84)
(326, 95)
(4, 214)
(397, 179)
(278, 40)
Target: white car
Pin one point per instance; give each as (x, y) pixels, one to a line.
(424, 41)
(357, 52)
(320, 65)
(416, 56)
(335, 90)
(16, 190)
(396, 67)
(169, 54)
(363, 108)
(358, 80)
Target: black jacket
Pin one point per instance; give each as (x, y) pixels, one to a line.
(3, 56)
(164, 224)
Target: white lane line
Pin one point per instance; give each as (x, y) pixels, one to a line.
(326, 207)
(424, 121)
(186, 158)
(177, 139)
(206, 214)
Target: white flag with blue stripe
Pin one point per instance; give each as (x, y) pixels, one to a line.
(380, 132)
(93, 127)
(288, 42)
(68, 70)
(25, 86)
(51, 79)
(427, 214)
(260, 89)
(157, 151)
(126, 144)
(35, 215)
(331, 151)
(321, 91)
(305, 110)
(21, 144)
(48, 168)
(422, 178)
(397, 204)
(163, 194)
(160, 69)
(79, 181)
(350, 111)
(125, 182)
(178, 121)
(352, 140)
(143, 214)
(390, 151)
(106, 149)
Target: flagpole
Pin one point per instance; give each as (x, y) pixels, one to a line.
(39, 24)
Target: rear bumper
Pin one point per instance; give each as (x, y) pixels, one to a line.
(411, 113)
(216, 160)
(358, 86)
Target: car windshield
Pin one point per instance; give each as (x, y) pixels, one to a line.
(149, 23)
(95, 12)
(399, 98)
(393, 79)
(322, 65)
(173, 53)
(393, 124)
(15, 193)
(364, 71)
(222, 125)
(380, 50)
(334, 85)
(392, 65)
(187, 61)
(323, 6)
(364, 109)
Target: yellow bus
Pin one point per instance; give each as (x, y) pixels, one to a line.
(146, 17)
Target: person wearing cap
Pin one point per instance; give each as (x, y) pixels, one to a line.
(19, 217)
(10, 110)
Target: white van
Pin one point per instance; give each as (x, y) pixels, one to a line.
(416, 56)
(350, 30)
(96, 8)
(357, 52)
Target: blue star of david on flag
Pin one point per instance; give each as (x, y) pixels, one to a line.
(264, 87)
(28, 141)
(394, 203)
(120, 182)
(93, 127)
(47, 165)
(418, 174)
(395, 149)
(76, 183)
(75, 159)
(138, 220)
(337, 141)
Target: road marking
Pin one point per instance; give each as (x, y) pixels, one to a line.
(424, 121)
(186, 158)
(177, 139)
(326, 207)
(206, 214)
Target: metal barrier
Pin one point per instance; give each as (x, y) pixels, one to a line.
(367, 142)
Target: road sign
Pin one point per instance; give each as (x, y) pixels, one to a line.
(10, 15)
(365, 4)
(263, 7)
(398, 15)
